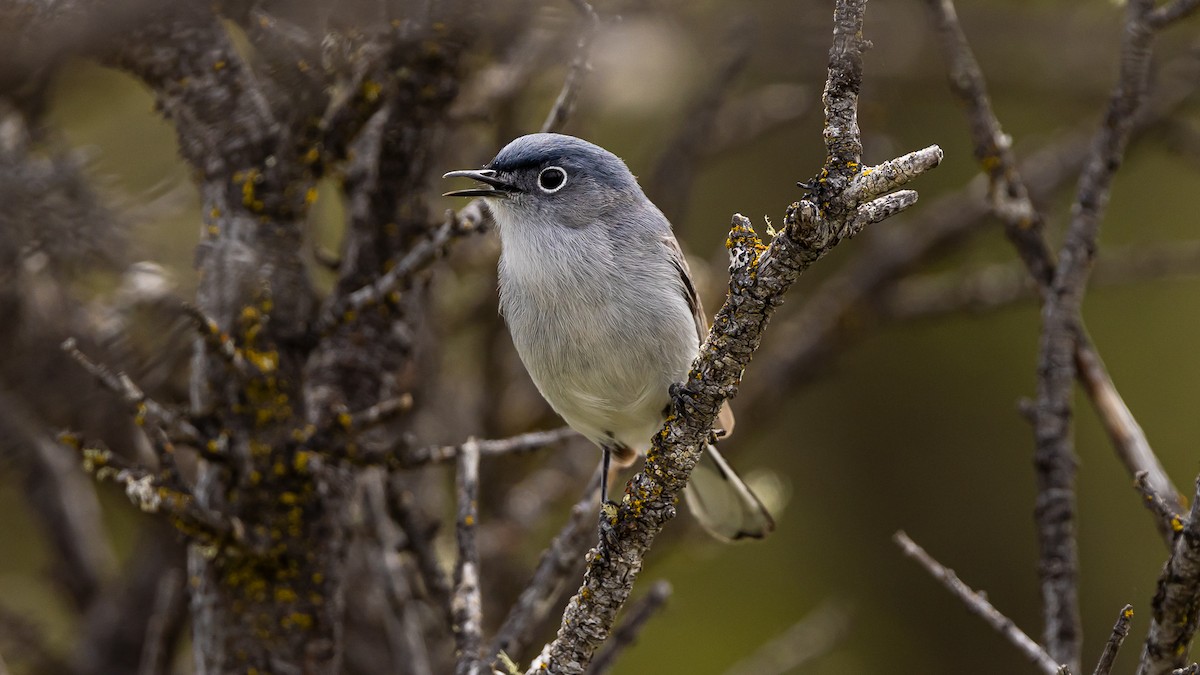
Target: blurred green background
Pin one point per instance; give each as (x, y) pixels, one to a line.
(913, 427)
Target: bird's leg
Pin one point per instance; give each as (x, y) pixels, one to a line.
(604, 466)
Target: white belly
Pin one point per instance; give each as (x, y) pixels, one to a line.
(603, 355)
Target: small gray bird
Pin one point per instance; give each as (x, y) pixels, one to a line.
(602, 309)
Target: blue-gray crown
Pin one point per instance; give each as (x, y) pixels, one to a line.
(569, 152)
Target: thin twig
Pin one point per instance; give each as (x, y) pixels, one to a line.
(999, 285)
(418, 540)
(626, 635)
(1167, 513)
(1119, 632)
(1023, 225)
(978, 605)
(347, 308)
(576, 72)
(1173, 11)
(519, 444)
(558, 560)
(150, 494)
(806, 640)
(156, 650)
(1176, 604)
(467, 603)
(143, 408)
(217, 340)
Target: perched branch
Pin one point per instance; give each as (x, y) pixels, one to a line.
(467, 603)
(627, 633)
(759, 277)
(1119, 632)
(1176, 604)
(979, 606)
(806, 640)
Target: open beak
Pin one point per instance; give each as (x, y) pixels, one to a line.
(497, 188)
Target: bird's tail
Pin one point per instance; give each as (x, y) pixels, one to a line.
(722, 503)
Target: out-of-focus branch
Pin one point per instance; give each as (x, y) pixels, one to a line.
(624, 637)
(846, 197)
(1054, 456)
(576, 72)
(418, 257)
(1166, 513)
(1001, 284)
(805, 641)
(1023, 224)
(163, 624)
(519, 444)
(1119, 632)
(676, 168)
(1176, 604)
(467, 603)
(418, 540)
(144, 408)
(978, 605)
(558, 560)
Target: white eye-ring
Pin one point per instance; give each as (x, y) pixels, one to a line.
(552, 179)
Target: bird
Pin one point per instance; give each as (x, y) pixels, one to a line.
(602, 309)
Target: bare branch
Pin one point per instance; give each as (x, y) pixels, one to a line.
(1166, 512)
(143, 408)
(1001, 284)
(1165, 15)
(1119, 632)
(806, 640)
(576, 72)
(559, 559)
(217, 340)
(979, 606)
(466, 603)
(418, 540)
(346, 309)
(168, 602)
(1054, 457)
(522, 443)
(624, 637)
(1176, 604)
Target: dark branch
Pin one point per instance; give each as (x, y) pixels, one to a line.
(978, 605)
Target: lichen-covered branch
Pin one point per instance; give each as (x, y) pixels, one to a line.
(1176, 604)
(760, 274)
(1120, 631)
(640, 612)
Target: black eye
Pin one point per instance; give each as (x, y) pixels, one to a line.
(551, 179)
